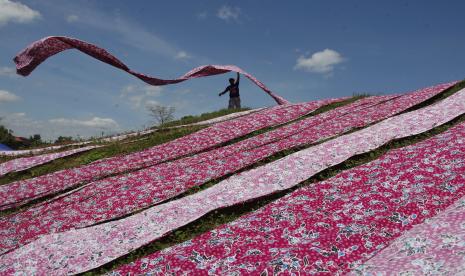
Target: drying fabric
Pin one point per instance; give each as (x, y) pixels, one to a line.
(79, 250)
(436, 247)
(5, 152)
(21, 164)
(330, 226)
(205, 122)
(28, 59)
(39, 150)
(20, 192)
(221, 118)
(121, 195)
(121, 137)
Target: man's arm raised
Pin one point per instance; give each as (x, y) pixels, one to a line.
(222, 93)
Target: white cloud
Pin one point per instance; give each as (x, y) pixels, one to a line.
(138, 94)
(23, 125)
(182, 55)
(151, 103)
(228, 13)
(95, 122)
(7, 71)
(16, 12)
(6, 96)
(320, 62)
(72, 18)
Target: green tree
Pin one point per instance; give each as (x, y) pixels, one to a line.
(6, 137)
(36, 140)
(63, 139)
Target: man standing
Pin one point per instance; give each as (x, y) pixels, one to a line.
(233, 88)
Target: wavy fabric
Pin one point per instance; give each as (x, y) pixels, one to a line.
(79, 250)
(36, 53)
(21, 192)
(112, 197)
(332, 225)
(435, 247)
(121, 195)
(21, 164)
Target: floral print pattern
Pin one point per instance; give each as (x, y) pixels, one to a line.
(121, 195)
(79, 250)
(116, 196)
(332, 226)
(36, 53)
(21, 164)
(435, 247)
(21, 192)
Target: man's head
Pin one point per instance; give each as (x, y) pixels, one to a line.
(231, 81)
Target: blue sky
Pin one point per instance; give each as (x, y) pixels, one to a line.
(303, 50)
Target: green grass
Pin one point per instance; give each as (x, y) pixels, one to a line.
(202, 117)
(161, 136)
(112, 149)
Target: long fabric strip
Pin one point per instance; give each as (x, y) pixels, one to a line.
(121, 195)
(128, 135)
(21, 164)
(435, 247)
(80, 250)
(28, 59)
(112, 197)
(333, 225)
(40, 150)
(20, 192)
(221, 118)
(205, 122)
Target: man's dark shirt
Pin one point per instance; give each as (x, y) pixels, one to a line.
(233, 90)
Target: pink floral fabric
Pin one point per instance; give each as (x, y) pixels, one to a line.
(435, 247)
(21, 164)
(331, 226)
(117, 196)
(79, 250)
(21, 192)
(36, 53)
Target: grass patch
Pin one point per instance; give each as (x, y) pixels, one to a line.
(110, 150)
(190, 119)
(163, 135)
